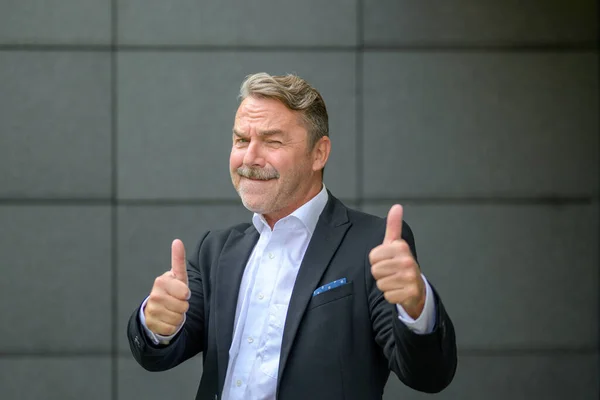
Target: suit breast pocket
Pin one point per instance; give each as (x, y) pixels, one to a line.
(331, 295)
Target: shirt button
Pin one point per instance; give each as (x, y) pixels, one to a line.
(271, 255)
(250, 340)
(238, 383)
(261, 296)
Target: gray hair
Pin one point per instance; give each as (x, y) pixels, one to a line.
(296, 94)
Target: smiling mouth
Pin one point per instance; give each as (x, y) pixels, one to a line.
(257, 174)
(257, 179)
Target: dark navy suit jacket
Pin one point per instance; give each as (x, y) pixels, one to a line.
(340, 344)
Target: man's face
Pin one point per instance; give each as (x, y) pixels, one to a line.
(270, 164)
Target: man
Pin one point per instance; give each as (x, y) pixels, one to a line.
(312, 300)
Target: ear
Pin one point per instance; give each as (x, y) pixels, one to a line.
(321, 153)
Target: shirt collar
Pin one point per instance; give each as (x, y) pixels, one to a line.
(308, 213)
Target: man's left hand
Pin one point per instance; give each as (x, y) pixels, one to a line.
(395, 269)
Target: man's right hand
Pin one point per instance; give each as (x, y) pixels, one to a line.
(168, 301)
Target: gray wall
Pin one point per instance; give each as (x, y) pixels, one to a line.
(481, 117)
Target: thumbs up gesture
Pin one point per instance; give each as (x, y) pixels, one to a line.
(168, 301)
(395, 269)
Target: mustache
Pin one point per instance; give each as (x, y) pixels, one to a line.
(258, 173)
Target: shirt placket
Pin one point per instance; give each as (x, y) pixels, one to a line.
(241, 369)
(262, 296)
(254, 327)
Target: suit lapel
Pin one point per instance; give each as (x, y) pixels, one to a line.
(232, 262)
(329, 232)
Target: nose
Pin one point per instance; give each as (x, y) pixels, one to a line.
(253, 156)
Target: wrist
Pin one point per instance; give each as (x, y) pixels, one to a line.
(415, 310)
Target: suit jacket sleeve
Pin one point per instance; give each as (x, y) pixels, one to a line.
(190, 339)
(424, 362)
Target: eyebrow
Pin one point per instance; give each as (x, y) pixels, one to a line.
(260, 133)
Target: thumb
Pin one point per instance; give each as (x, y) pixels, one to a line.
(393, 228)
(178, 261)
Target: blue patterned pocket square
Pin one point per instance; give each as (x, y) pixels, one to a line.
(329, 286)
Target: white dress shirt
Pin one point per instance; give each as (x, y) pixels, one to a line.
(263, 300)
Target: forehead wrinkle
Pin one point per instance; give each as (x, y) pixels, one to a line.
(264, 108)
(262, 133)
(260, 118)
(264, 125)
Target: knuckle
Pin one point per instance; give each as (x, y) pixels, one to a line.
(372, 257)
(374, 270)
(155, 297)
(408, 260)
(410, 274)
(160, 281)
(179, 320)
(182, 291)
(170, 319)
(375, 253)
(153, 321)
(404, 264)
(399, 248)
(387, 296)
(163, 318)
(181, 286)
(149, 310)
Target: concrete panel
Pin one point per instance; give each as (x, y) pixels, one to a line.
(179, 383)
(34, 378)
(55, 293)
(468, 124)
(55, 124)
(516, 377)
(479, 22)
(57, 22)
(228, 22)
